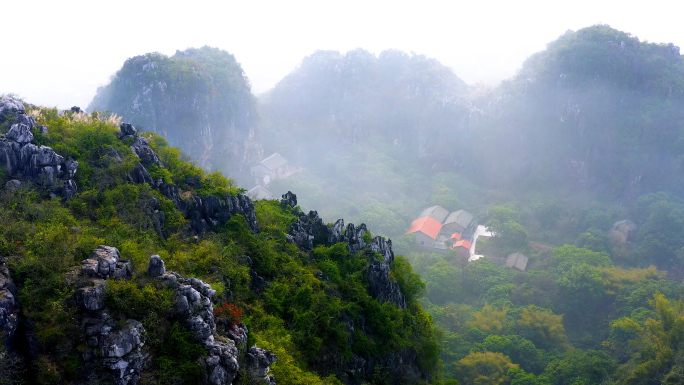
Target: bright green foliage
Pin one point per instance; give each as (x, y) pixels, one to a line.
(489, 319)
(301, 315)
(542, 327)
(519, 350)
(581, 288)
(590, 367)
(565, 257)
(486, 368)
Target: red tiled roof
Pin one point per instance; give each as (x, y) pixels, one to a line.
(427, 226)
(465, 244)
(456, 236)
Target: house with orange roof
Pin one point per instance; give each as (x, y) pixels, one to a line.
(462, 248)
(426, 230)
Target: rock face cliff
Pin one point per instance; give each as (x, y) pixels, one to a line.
(204, 212)
(116, 348)
(22, 159)
(308, 231)
(198, 99)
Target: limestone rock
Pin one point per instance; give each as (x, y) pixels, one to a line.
(257, 362)
(120, 342)
(289, 199)
(308, 231)
(381, 285)
(335, 233)
(92, 297)
(105, 262)
(22, 158)
(9, 309)
(10, 108)
(127, 129)
(20, 133)
(140, 175)
(194, 308)
(156, 267)
(384, 248)
(13, 185)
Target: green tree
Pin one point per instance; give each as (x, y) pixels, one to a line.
(543, 328)
(486, 368)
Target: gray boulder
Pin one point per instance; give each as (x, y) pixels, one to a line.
(289, 199)
(257, 362)
(156, 267)
(120, 342)
(105, 262)
(92, 297)
(127, 129)
(20, 133)
(13, 185)
(10, 108)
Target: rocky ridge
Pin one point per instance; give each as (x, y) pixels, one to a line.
(120, 348)
(22, 159)
(308, 231)
(204, 212)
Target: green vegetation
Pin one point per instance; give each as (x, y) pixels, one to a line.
(303, 314)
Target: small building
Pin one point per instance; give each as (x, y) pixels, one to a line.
(462, 248)
(517, 261)
(259, 192)
(273, 167)
(457, 222)
(435, 212)
(426, 230)
(622, 231)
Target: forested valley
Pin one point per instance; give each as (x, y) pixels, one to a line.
(586, 135)
(575, 163)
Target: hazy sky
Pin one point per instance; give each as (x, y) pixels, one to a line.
(57, 53)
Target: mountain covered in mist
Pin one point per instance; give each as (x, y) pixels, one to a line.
(564, 161)
(408, 100)
(199, 99)
(597, 109)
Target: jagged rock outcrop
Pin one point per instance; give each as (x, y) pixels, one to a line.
(106, 262)
(195, 310)
(120, 348)
(10, 109)
(257, 362)
(381, 285)
(204, 212)
(9, 308)
(289, 199)
(308, 231)
(20, 157)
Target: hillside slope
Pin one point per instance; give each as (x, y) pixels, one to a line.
(155, 272)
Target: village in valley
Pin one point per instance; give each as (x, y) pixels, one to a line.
(439, 231)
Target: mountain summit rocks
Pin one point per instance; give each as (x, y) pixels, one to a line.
(25, 160)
